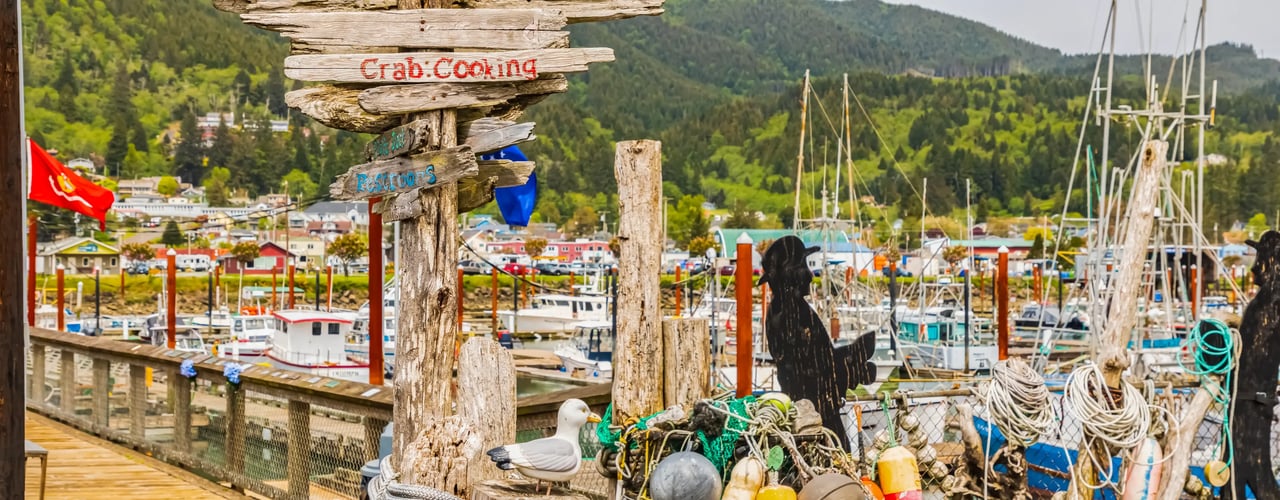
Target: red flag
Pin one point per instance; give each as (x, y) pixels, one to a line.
(53, 183)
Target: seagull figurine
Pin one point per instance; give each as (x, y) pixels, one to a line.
(553, 459)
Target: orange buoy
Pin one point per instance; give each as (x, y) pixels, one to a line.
(899, 475)
(776, 492)
(873, 488)
(1143, 478)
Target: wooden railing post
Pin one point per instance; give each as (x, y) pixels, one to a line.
(181, 411)
(687, 361)
(37, 392)
(299, 449)
(67, 382)
(234, 443)
(101, 392)
(373, 437)
(138, 401)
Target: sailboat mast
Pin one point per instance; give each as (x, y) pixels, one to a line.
(804, 113)
(1200, 160)
(848, 158)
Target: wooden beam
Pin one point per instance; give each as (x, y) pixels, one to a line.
(425, 170)
(137, 401)
(101, 387)
(580, 11)
(181, 411)
(637, 374)
(506, 173)
(475, 192)
(413, 98)
(339, 108)
(487, 134)
(487, 400)
(442, 67)
(299, 461)
(686, 363)
(494, 29)
(13, 214)
(243, 6)
(407, 138)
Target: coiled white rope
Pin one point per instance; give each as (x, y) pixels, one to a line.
(1120, 428)
(1018, 402)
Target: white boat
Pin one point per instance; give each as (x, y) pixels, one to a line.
(250, 337)
(190, 341)
(221, 320)
(935, 338)
(590, 349)
(555, 313)
(314, 342)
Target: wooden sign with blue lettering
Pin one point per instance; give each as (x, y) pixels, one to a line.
(404, 174)
(398, 141)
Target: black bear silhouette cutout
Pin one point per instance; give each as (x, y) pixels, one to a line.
(1255, 398)
(808, 366)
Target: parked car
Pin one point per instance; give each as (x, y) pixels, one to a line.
(517, 268)
(472, 267)
(729, 270)
(138, 268)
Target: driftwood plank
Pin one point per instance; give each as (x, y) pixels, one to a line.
(487, 134)
(497, 29)
(243, 6)
(475, 192)
(506, 173)
(394, 208)
(394, 99)
(339, 108)
(579, 11)
(403, 174)
(404, 139)
(442, 67)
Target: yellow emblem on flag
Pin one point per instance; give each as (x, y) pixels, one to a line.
(65, 184)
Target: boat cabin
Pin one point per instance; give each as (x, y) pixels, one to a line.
(310, 337)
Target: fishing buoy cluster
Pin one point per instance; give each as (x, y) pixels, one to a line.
(901, 456)
(729, 449)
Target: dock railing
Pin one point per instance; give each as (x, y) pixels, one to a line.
(279, 434)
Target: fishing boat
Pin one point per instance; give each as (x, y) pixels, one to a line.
(555, 313)
(314, 342)
(590, 349)
(939, 337)
(221, 320)
(250, 337)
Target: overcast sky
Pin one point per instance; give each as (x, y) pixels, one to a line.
(1075, 26)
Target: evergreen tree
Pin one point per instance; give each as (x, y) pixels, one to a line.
(121, 110)
(219, 152)
(188, 158)
(172, 236)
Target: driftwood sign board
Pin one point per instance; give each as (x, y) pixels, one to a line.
(575, 11)
(442, 67)
(487, 134)
(404, 139)
(495, 29)
(404, 174)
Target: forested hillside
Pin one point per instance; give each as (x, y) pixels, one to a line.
(718, 81)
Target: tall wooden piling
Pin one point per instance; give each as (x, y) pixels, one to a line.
(61, 300)
(376, 271)
(1193, 290)
(686, 360)
(290, 294)
(678, 289)
(638, 369)
(171, 299)
(275, 300)
(742, 287)
(1002, 303)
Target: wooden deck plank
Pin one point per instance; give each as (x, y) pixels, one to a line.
(84, 467)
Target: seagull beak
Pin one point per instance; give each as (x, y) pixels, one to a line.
(593, 418)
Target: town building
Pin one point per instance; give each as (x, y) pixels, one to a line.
(270, 256)
(77, 255)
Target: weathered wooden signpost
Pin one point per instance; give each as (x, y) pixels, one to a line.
(441, 85)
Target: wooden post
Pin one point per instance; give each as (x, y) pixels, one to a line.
(121, 294)
(424, 346)
(524, 287)
(328, 294)
(742, 286)
(486, 402)
(138, 401)
(677, 287)
(686, 360)
(32, 231)
(764, 316)
(493, 307)
(61, 301)
(637, 376)
(217, 278)
(1036, 280)
(12, 208)
(299, 449)
(290, 295)
(275, 301)
(1193, 289)
(373, 437)
(376, 322)
(233, 444)
(171, 300)
(67, 383)
(462, 294)
(1122, 314)
(101, 391)
(37, 375)
(181, 411)
(1002, 303)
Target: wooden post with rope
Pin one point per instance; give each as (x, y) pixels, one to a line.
(1112, 356)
